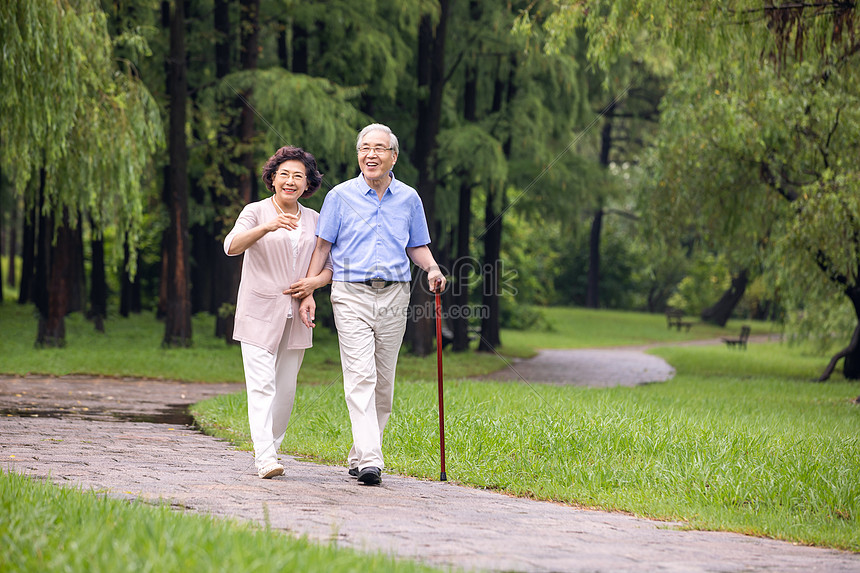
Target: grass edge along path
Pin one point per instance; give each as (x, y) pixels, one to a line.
(738, 442)
(46, 527)
(131, 347)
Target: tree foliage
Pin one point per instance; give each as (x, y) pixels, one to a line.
(78, 131)
(758, 144)
(67, 106)
(531, 143)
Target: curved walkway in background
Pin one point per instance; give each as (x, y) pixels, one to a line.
(598, 367)
(131, 438)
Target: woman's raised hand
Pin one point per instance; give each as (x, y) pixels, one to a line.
(283, 221)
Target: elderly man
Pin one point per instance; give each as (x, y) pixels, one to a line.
(370, 225)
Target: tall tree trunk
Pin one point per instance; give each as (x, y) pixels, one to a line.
(490, 328)
(177, 323)
(29, 246)
(200, 231)
(56, 263)
(851, 366)
(3, 242)
(720, 312)
(77, 279)
(202, 254)
(28, 260)
(250, 27)
(12, 246)
(223, 38)
(592, 293)
(98, 284)
(851, 353)
(301, 53)
(462, 267)
(229, 269)
(283, 42)
(161, 307)
(3, 239)
(129, 299)
(503, 91)
(166, 261)
(226, 290)
(463, 262)
(41, 251)
(431, 76)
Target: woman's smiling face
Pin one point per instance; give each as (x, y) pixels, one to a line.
(290, 181)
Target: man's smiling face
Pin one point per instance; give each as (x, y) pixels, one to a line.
(375, 164)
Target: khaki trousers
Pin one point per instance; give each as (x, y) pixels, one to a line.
(270, 380)
(370, 326)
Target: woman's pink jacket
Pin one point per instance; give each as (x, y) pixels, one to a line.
(267, 270)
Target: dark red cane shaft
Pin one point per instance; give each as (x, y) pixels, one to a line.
(443, 476)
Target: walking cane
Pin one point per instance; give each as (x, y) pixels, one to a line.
(442, 476)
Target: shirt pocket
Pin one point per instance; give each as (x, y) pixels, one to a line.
(398, 228)
(262, 306)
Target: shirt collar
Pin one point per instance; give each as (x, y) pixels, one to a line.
(367, 188)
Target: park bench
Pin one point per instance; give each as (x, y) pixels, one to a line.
(740, 341)
(675, 318)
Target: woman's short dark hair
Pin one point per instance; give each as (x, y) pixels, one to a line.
(287, 153)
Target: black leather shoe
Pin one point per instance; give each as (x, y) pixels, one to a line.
(370, 476)
(353, 472)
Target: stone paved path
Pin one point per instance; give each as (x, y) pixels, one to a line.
(77, 431)
(595, 368)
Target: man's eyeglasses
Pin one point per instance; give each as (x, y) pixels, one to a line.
(378, 149)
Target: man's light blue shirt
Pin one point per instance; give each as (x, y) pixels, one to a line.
(369, 237)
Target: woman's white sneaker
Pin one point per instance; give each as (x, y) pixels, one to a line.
(271, 470)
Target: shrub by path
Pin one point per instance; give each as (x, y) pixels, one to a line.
(80, 438)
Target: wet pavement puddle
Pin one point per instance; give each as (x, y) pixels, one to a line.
(173, 414)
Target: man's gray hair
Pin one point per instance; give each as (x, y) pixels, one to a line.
(392, 139)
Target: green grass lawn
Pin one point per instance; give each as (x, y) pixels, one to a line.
(48, 528)
(738, 441)
(752, 446)
(586, 328)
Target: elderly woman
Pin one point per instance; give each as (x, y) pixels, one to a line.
(277, 237)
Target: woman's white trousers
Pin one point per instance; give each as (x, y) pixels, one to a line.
(270, 380)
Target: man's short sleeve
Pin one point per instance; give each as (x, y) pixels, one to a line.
(419, 234)
(328, 224)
